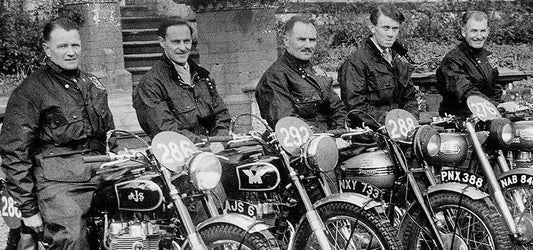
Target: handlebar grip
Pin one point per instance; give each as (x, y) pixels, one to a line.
(220, 138)
(337, 132)
(96, 158)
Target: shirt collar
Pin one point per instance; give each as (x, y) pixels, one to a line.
(382, 51)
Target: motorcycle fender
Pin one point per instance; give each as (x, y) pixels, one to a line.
(516, 177)
(245, 223)
(460, 188)
(352, 198)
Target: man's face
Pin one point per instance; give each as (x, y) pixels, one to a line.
(301, 41)
(385, 31)
(64, 48)
(475, 32)
(177, 43)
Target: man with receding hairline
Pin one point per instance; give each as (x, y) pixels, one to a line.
(377, 77)
(468, 68)
(56, 115)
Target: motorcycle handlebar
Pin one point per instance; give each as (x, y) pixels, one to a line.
(220, 138)
(96, 158)
(336, 132)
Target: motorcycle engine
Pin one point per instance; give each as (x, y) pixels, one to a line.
(133, 235)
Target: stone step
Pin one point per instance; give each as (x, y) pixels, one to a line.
(131, 35)
(137, 11)
(141, 60)
(141, 47)
(141, 2)
(149, 22)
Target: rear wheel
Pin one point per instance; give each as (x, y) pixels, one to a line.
(349, 227)
(226, 236)
(462, 222)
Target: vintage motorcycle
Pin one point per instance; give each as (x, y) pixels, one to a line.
(500, 152)
(282, 180)
(429, 215)
(143, 202)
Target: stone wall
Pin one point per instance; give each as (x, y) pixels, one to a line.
(102, 42)
(237, 46)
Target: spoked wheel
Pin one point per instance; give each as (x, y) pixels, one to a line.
(227, 237)
(463, 223)
(347, 227)
(520, 202)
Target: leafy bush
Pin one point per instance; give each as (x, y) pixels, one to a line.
(20, 36)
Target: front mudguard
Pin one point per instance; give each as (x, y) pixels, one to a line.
(247, 224)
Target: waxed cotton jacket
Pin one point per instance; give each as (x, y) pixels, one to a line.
(463, 72)
(163, 102)
(52, 113)
(291, 87)
(371, 84)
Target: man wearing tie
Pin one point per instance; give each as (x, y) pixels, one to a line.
(377, 77)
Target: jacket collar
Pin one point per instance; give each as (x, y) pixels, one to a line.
(467, 49)
(194, 68)
(60, 71)
(295, 62)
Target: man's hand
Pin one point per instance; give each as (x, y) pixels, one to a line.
(34, 222)
(341, 143)
(216, 147)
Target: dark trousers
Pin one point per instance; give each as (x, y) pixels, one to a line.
(62, 206)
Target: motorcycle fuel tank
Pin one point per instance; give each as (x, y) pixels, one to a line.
(258, 176)
(139, 195)
(523, 136)
(376, 168)
(453, 150)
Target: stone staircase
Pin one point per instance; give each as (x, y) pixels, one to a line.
(140, 21)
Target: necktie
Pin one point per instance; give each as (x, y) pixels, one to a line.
(387, 55)
(184, 74)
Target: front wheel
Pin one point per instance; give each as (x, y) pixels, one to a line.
(463, 223)
(226, 236)
(349, 227)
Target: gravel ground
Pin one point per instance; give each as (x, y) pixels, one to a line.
(3, 234)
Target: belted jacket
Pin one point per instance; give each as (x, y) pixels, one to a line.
(52, 114)
(291, 87)
(463, 72)
(163, 102)
(370, 83)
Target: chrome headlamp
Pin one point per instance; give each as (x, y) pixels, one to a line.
(205, 170)
(426, 142)
(321, 153)
(502, 132)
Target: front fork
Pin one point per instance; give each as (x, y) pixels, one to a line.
(492, 180)
(192, 235)
(317, 226)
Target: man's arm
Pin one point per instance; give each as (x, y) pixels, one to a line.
(352, 80)
(409, 101)
(274, 98)
(337, 111)
(220, 112)
(153, 112)
(17, 137)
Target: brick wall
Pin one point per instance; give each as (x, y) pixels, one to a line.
(237, 46)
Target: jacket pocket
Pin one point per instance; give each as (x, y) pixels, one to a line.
(65, 167)
(381, 87)
(185, 114)
(66, 129)
(307, 106)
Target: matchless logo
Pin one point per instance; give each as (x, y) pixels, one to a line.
(493, 61)
(96, 82)
(258, 176)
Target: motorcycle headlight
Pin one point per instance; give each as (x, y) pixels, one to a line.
(426, 142)
(321, 153)
(205, 170)
(501, 131)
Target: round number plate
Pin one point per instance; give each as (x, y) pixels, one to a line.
(292, 133)
(399, 123)
(482, 108)
(172, 149)
(10, 212)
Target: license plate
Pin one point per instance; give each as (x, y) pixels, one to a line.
(354, 186)
(241, 207)
(462, 177)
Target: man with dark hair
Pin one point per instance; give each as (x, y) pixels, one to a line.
(177, 94)
(468, 68)
(291, 87)
(56, 115)
(377, 77)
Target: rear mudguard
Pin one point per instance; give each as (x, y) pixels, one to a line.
(247, 224)
(516, 177)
